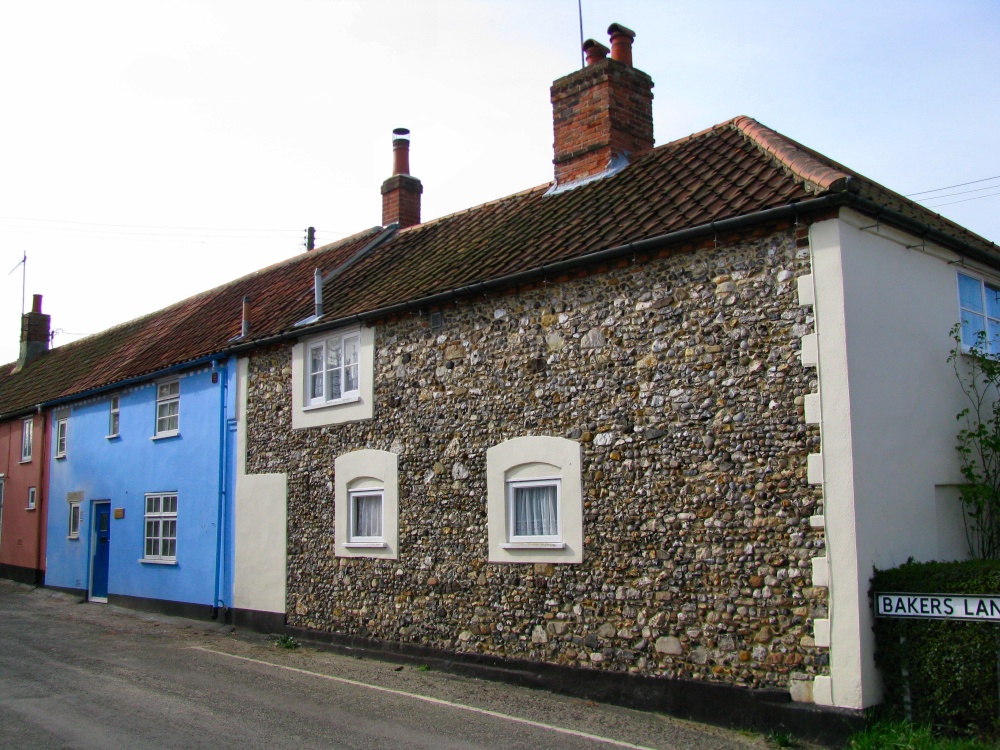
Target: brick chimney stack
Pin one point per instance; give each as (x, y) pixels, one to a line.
(401, 192)
(34, 334)
(603, 111)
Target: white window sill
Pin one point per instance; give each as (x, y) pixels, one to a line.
(59, 456)
(328, 404)
(30, 507)
(25, 461)
(165, 435)
(144, 561)
(74, 537)
(365, 545)
(533, 545)
(112, 437)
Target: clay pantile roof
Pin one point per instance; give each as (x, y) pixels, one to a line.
(194, 328)
(735, 169)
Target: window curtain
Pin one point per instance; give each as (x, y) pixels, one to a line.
(367, 515)
(535, 511)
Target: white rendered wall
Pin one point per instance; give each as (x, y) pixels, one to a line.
(888, 402)
(260, 537)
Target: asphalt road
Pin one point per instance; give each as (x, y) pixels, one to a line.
(82, 675)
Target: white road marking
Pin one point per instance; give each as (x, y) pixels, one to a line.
(436, 701)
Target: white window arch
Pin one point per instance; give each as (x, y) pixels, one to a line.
(366, 513)
(535, 500)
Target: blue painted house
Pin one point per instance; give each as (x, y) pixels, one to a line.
(139, 461)
(140, 489)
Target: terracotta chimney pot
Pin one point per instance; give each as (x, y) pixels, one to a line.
(621, 43)
(400, 151)
(401, 192)
(602, 113)
(595, 51)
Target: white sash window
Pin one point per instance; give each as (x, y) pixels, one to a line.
(161, 528)
(168, 408)
(27, 435)
(333, 370)
(61, 426)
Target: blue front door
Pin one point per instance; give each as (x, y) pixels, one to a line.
(102, 546)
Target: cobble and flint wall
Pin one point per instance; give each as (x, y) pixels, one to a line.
(681, 379)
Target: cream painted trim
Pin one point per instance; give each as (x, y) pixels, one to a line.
(535, 457)
(806, 296)
(848, 684)
(820, 572)
(259, 523)
(812, 408)
(823, 691)
(810, 350)
(814, 468)
(821, 632)
(352, 411)
(367, 467)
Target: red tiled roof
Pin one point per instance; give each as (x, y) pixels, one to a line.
(197, 327)
(737, 168)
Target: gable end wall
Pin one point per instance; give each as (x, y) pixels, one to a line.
(682, 382)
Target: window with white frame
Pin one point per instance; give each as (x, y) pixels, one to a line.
(60, 437)
(168, 406)
(161, 528)
(366, 504)
(979, 307)
(74, 520)
(333, 374)
(533, 510)
(27, 434)
(32, 496)
(534, 499)
(114, 414)
(366, 517)
(332, 378)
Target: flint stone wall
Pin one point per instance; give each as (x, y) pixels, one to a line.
(681, 379)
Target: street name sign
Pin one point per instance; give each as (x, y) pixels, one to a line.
(939, 606)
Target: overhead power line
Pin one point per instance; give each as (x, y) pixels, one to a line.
(963, 200)
(960, 192)
(150, 233)
(143, 226)
(949, 187)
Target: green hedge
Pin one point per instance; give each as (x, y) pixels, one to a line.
(949, 667)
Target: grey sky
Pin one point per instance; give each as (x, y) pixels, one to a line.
(131, 129)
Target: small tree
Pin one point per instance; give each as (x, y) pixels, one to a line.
(978, 373)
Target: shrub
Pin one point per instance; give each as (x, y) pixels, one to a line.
(940, 672)
(978, 374)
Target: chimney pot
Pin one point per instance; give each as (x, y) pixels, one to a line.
(400, 151)
(595, 51)
(35, 328)
(621, 43)
(602, 113)
(401, 192)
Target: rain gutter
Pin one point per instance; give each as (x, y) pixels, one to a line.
(570, 264)
(118, 384)
(845, 197)
(925, 231)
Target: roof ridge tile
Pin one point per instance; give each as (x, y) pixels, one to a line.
(806, 165)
